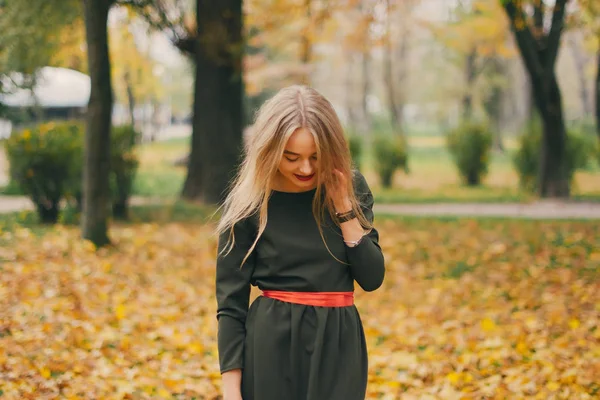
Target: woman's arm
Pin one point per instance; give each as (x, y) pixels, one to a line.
(366, 258)
(233, 297)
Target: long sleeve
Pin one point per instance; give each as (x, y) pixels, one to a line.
(233, 296)
(366, 259)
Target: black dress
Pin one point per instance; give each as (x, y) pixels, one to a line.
(291, 351)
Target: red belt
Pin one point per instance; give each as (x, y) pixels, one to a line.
(319, 299)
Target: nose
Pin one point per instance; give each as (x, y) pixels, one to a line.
(306, 167)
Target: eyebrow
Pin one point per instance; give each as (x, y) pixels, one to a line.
(291, 153)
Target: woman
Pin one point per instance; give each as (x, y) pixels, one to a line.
(297, 224)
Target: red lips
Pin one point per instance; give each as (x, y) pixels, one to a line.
(304, 178)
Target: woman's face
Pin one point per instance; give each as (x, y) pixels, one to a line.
(297, 170)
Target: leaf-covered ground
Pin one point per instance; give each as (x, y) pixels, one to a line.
(469, 310)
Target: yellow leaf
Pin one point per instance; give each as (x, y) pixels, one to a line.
(120, 311)
(553, 386)
(522, 348)
(467, 377)
(196, 347)
(488, 325)
(106, 267)
(45, 372)
(89, 246)
(574, 323)
(125, 342)
(453, 377)
(173, 384)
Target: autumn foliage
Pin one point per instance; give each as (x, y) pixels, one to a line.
(469, 310)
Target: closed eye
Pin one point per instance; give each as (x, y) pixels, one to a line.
(291, 159)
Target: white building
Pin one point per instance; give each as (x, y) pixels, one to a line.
(59, 92)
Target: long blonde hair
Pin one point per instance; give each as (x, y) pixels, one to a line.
(292, 108)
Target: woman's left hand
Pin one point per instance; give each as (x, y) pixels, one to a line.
(339, 195)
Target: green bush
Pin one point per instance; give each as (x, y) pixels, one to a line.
(585, 126)
(470, 145)
(356, 145)
(41, 162)
(46, 162)
(526, 159)
(390, 155)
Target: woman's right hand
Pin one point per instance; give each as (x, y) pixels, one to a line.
(233, 396)
(232, 384)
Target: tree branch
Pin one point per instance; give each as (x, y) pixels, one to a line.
(524, 38)
(134, 3)
(482, 65)
(538, 19)
(553, 40)
(164, 15)
(187, 45)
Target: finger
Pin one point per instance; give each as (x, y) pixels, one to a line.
(340, 175)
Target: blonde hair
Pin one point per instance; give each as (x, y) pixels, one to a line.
(290, 109)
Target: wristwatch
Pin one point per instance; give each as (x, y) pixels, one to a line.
(345, 216)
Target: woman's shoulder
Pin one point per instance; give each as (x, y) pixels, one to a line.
(248, 224)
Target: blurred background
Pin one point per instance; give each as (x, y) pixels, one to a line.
(414, 69)
(475, 122)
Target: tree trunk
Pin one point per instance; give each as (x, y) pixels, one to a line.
(554, 174)
(48, 215)
(365, 120)
(473, 178)
(493, 110)
(470, 75)
(366, 88)
(96, 189)
(539, 55)
(306, 44)
(493, 103)
(539, 36)
(216, 142)
(388, 71)
(402, 73)
(352, 120)
(130, 97)
(120, 205)
(597, 96)
(120, 210)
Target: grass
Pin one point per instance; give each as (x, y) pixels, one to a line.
(12, 222)
(158, 176)
(432, 177)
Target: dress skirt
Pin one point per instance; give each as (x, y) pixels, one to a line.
(299, 352)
